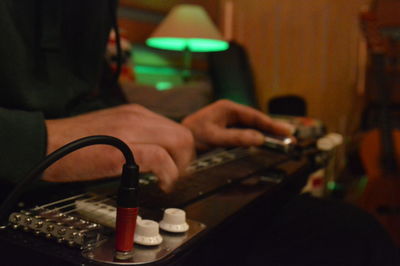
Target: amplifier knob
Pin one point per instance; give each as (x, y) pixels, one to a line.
(336, 138)
(174, 221)
(147, 233)
(325, 144)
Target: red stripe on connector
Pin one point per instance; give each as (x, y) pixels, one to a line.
(125, 228)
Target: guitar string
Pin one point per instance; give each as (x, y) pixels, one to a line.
(93, 214)
(236, 152)
(59, 201)
(48, 210)
(91, 203)
(98, 218)
(229, 156)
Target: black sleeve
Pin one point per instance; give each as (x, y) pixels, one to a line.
(51, 54)
(22, 142)
(22, 133)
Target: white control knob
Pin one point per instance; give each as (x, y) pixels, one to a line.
(147, 233)
(325, 144)
(336, 138)
(174, 221)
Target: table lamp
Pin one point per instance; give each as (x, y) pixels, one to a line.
(187, 28)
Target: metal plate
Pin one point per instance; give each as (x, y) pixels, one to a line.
(105, 253)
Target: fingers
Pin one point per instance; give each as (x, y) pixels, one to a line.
(149, 127)
(155, 159)
(161, 145)
(178, 141)
(212, 125)
(250, 117)
(235, 137)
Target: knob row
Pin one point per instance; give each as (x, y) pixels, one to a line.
(147, 231)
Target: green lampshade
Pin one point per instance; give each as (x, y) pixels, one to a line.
(193, 45)
(187, 27)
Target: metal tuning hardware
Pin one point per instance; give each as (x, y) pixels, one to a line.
(279, 143)
(57, 225)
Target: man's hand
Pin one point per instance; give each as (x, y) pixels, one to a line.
(213, 125)
(159, 145)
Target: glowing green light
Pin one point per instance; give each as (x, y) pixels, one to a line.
(331, 185)
(156, 70)
(163, 85)
(362, 184)
(193, 45)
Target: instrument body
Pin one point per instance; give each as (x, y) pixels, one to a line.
(241, 179)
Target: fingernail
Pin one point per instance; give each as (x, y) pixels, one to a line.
(166, 187)
(290, 129)
(167, 184)
(261, 138)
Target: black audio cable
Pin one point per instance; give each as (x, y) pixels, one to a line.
(127, 202)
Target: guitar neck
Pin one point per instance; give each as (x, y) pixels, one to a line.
(383, 48)
(388, 155)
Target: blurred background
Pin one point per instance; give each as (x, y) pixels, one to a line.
(305, 48)
(317, 60)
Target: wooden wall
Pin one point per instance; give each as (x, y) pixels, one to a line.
(162, 6)
(304, 47)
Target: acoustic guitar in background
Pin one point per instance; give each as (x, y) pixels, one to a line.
(380, 147)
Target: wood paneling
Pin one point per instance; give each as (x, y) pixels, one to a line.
(136, 31)
(304, 47)
(163, 6)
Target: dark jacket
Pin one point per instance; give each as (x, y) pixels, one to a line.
(51, 57)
